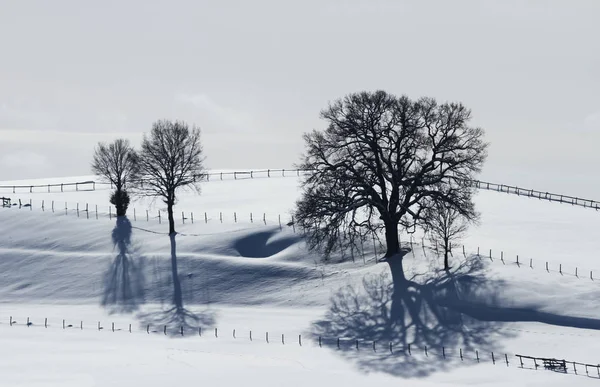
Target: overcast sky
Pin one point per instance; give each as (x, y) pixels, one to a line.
(255, 74)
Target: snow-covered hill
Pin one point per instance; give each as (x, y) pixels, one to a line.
(244, 276)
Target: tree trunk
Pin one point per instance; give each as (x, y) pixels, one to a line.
(121, 211)
(399, 285)
(177, 295)
(391, 239)
(171, 219)
(446, 250)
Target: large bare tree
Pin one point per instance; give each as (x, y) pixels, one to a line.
(116, 162)
(381, 161)
(170, 159)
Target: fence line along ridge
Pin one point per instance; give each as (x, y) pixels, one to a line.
(90, 185)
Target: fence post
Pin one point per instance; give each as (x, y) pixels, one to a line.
(279, 217)
(235, 217)
(547, 267)
(134, 216)
(293, 224)
(506, 357)
(251, 220)
(502, 256)
(43, 205)
(221, 217)
(477, 355)
(576, 272)
(147, 216)
(96, 211)
(518, 260)
(300, 340)
(53, 206)
(109, 212)
(267, 336)
(531, 263)
(182, 217)
(192, 217)
(493, 359)
(374, 246)
(264, 218)
(78, 209)
(491, 255)
(87, 211)
(159, 220)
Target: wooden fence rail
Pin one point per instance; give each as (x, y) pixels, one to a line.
(90, 185)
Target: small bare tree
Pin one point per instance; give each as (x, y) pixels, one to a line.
(445, 226)
(116, 162)
(170, 159)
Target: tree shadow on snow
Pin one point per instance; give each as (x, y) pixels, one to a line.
(124, 280)
(443, 312)
(176, 317)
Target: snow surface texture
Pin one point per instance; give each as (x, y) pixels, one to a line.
(252, 294)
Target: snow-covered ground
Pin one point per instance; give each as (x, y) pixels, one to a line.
(240, 276)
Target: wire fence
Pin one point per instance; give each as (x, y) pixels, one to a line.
(92, 185)
(357, 252)
(359, 346)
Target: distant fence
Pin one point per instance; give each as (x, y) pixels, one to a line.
(91, 185)
(531, 193)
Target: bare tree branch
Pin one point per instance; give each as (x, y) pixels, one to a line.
(171, 159)
(381, 162)
(117, 163)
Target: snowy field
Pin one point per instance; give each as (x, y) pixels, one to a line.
(261, 310)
